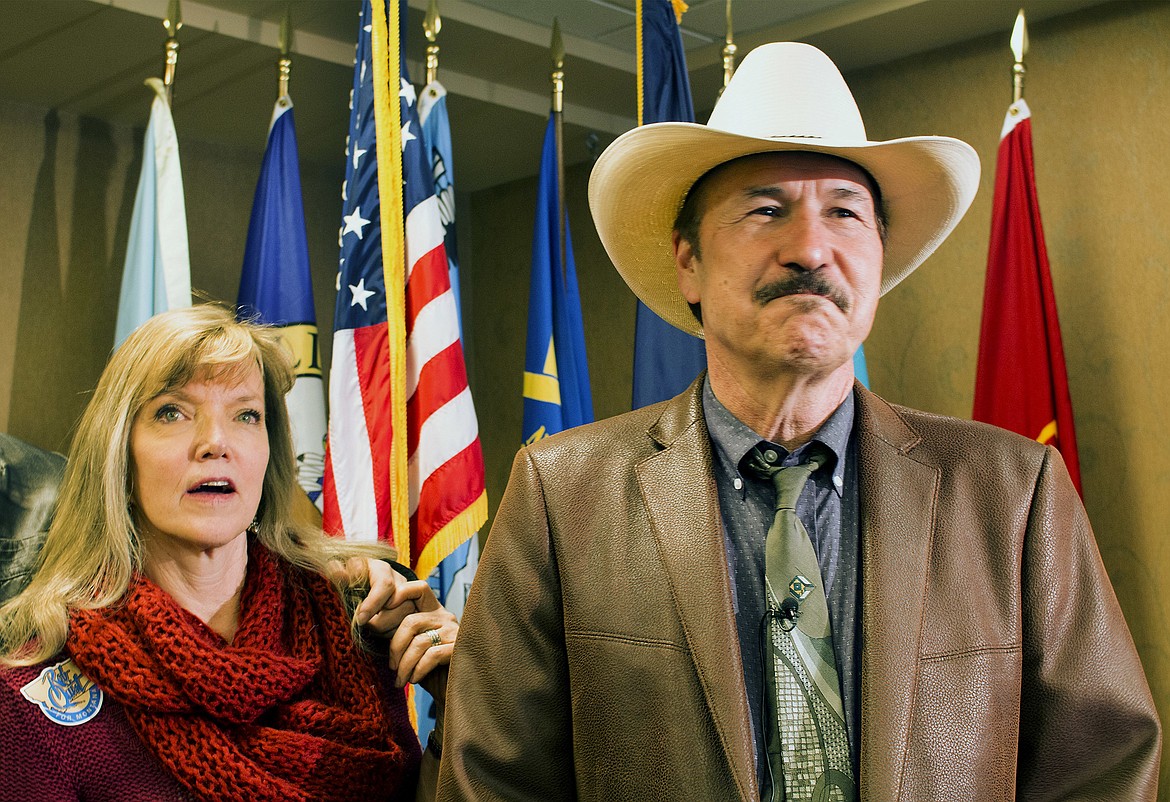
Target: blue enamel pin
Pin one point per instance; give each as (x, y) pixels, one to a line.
(64, 694)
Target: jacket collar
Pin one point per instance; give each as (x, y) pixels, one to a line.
(898, 493)
(678, 488)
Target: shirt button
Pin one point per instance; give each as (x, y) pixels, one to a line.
(838, 481)
(771, 456)
(737, 483)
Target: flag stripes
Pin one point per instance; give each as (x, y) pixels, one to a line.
(408, 415)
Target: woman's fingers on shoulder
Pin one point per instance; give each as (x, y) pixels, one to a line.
(422, 642)
(389, 618)
(418, 591)
(383, 584)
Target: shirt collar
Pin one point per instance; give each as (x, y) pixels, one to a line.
(735, 439)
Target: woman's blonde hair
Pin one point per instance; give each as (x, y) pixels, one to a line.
(93, 547)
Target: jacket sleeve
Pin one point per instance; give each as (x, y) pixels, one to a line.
(508, 728)
(1089, 729)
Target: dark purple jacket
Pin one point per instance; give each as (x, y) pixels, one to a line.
(102, 760)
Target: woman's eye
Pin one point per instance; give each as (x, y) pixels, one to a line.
(251, 416)
(168, 413)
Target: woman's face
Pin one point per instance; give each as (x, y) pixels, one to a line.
(198, 457)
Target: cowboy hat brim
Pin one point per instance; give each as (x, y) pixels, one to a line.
(638, 186)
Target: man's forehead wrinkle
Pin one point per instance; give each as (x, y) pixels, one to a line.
(849, 193)
(771, 191)
(776, 191)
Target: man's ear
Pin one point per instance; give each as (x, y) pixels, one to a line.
(685, 267)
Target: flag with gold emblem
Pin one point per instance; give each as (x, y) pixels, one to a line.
(1020, 380)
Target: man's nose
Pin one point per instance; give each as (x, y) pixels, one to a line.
(804, 244)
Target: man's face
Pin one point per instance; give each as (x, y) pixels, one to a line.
(788, 265)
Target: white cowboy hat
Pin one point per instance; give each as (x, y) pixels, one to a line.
(784, 96)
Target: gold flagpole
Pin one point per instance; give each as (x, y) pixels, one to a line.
(728, 51)
(432, 24)
(558, 103)
(284, 63)
(173, 22)
(1019, 50)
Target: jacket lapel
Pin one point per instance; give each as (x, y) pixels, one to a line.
(898, 496)
(682, 502)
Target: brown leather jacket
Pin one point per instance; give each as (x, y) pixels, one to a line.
(598, 657)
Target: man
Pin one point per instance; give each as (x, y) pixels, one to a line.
(664, 612)
(28, 493)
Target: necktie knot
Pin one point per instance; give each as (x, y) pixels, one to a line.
(789, 481)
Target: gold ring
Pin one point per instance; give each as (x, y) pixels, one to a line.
(436, 638)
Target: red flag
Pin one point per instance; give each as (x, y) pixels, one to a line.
(1020, 382)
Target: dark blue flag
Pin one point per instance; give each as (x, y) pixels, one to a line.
(666, 360)
(556, 377)
(276, 287)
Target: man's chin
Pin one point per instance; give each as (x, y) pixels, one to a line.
(808, 302)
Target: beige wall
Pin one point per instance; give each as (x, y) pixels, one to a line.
(65, 205)
(1099, 86)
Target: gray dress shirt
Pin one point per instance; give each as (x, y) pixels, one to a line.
(829, 508)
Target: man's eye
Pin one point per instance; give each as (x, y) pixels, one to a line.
(840, 212)
(767, 211)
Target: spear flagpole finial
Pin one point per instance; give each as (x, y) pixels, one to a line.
(729, 50)
(432, 24)
(558, 99)
(1019, 43)
(284, 63)
(172, 22)
(558, 67)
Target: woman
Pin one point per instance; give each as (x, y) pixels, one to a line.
(179, 639)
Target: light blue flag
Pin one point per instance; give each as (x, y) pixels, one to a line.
(436, 128)
(157, 273)
(276, 288)
(859, 368)
(556, 376)
(452, 577)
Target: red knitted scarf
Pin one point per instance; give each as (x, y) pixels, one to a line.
(289, 710)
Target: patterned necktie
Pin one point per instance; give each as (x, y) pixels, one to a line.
(806, 740)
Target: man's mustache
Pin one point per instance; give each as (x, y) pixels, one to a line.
(812, 283)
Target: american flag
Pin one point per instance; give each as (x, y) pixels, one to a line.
(404, 462)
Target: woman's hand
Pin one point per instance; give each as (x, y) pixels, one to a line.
(422, 632)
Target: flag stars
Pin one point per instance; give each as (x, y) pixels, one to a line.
(407, 92)
(360, 294)
(357, 154)
(406, 135)
(354, 223)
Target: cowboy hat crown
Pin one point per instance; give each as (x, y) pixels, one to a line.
(785, 96)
